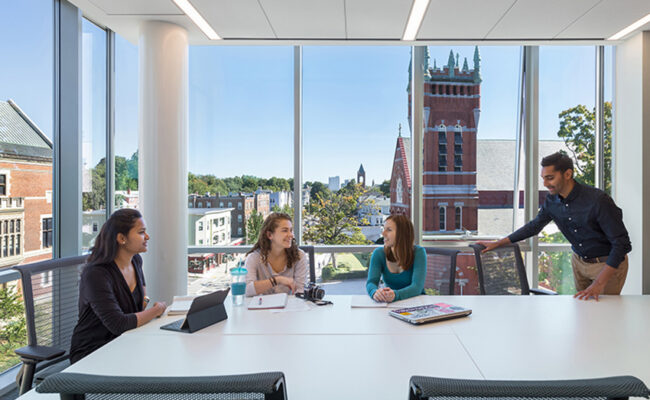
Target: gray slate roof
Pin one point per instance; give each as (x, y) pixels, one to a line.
(20, 137)
(495, 161)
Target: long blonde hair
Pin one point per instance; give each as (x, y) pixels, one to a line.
(402, 252)
(264, 243)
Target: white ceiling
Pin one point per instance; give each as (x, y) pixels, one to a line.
(376, 21)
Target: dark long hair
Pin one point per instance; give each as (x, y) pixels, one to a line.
(264, 243)
(402, 252)
(105, 249)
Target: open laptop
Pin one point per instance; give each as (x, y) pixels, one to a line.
(204, 311)
(429, 313)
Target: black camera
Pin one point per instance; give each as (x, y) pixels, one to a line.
(313, 292)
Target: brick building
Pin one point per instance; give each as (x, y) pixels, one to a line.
(242, 205)
(26, 228)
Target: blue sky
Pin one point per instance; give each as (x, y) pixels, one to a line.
(241, 98)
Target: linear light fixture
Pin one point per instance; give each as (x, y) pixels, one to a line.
(416, 16)
(198, 20)
(631, 28)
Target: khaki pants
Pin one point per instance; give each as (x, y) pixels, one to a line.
(585, 273)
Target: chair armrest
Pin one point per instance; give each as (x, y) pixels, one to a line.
(39, 353)
(542, 291)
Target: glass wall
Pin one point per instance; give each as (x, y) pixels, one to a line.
(470, 112)
(567, 82)
(93, 129)
(26, 229)
(356, 140)
(240, 150)
(126, 124)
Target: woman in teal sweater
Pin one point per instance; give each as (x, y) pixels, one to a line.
(401, 264)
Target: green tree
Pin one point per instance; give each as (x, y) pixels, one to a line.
(555, 271)
(577, 129)
(12, 320)
(318, 190)
(253, 227)
(96, 198)
(385, 188)
(333, 218)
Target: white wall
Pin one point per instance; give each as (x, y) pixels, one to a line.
(631, 164)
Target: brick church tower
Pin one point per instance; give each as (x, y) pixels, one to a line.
(451, 113)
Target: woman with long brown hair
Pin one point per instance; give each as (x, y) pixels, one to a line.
(400, 263)
(112, 291)
(275, 264)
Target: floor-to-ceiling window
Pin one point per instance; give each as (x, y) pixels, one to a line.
(126, 124)
(356, 146)
(240, 151)
(567, 84)
(26, 228)
(93, 130)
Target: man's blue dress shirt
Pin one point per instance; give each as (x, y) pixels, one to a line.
(588, 218)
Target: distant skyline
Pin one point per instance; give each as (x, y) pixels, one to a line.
(241, 98)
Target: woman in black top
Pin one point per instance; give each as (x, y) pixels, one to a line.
(112, 290)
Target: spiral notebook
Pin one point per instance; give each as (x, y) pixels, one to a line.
(269, 301)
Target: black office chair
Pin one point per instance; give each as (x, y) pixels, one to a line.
(72, 386)
(51, 295)
(502, 272)
(312, 262)
(618, 387)
(441, 270)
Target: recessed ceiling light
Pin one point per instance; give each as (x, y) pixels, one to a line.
(631, 28)
(198, 20)
(416, 16)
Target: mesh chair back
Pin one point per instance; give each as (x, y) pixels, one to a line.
(618, 387)
(441, 270)
(501, 271)
(265, 386)
(309, 250)
(51, 296)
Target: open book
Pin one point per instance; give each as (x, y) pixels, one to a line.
(265, 302)
(180, 305)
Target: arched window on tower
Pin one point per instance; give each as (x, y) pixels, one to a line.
(443, 217)
(458, 218)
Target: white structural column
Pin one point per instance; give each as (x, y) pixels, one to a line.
(631, 155)
(163, 49)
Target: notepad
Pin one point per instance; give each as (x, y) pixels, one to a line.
(180, 305)
(265, 302)
(364, 301)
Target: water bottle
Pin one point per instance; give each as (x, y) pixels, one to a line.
(238, 284)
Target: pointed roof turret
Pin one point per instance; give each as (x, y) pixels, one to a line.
(399, 130)
(477, 65)
(426, 59)
(408, 86)
(361, 171)
(457, 58)
(465, 67)
(450, 63)
(435, 67)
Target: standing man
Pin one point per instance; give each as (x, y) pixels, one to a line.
(590, 220)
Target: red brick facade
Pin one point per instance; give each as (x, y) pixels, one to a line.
(33, 182)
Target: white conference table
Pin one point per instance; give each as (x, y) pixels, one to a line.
(340, 352)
